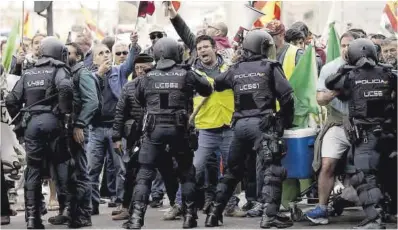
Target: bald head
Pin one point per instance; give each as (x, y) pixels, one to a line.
(223, 28)
(218, 29)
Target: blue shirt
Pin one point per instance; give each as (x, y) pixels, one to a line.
(327, 70)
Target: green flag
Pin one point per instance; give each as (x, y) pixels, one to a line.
(303, 82)
(333, 45)
(10, 47)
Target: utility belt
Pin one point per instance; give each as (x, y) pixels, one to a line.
(357, 132)
(179, 119)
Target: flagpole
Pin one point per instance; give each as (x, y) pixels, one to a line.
(23, 23)
(98, 10)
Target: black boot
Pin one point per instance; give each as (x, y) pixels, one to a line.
(33, 204)
(214, 216)
(136, 220)
(33, 218)
(190, 215)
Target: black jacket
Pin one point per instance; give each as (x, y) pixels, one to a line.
(127, 108)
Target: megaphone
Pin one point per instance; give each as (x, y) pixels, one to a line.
(250, 16)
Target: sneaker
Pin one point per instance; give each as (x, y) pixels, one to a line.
(370, 224)
(256, 210)
(173, 212)
(156, 203)
(318, 216)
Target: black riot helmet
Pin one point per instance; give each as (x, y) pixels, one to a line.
(166, 53)
(362, 51)
(259, 42)
(52, 47)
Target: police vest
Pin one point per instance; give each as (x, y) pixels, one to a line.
(217, 110)
(39, 84)
(166, 92)
(253, 90)
(371, 93)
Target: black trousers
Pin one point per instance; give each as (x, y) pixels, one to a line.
(5, 204)
(153, 155)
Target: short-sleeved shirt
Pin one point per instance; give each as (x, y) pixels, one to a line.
(327, 70)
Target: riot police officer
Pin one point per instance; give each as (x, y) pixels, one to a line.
(256, 82)
(166, 92)
(44, 95)
(370, 89)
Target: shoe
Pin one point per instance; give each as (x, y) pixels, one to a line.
(256, 210)
(102, 201)
(5, 220)
(118, 210)
(156, 203)
(123, 215)
(80, 223)
(136, 220)
(173, 212)
(232, 209)
(58, 219)
(370, 224)
(214, 216)
(249, 205)
(318, 216)
(112, 203)
(277, 221)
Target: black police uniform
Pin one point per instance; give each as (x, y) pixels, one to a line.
(165, 93)
(369, 89)
(256, 83)
(46, 93)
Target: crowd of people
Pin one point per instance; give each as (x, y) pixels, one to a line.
(186, 118)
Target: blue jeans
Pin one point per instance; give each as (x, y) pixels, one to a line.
(157, 191)
(100, 142)
(211, 142)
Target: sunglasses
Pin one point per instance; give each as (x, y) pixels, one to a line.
(120, 53)
(155, 35)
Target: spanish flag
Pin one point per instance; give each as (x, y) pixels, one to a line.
(271, 9)
(27, 30)
(389, 20)
(91, 24)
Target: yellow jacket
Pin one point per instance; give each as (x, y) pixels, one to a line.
(288, 65)
(218, 109)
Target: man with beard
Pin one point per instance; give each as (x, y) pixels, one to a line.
(389, 51)
(86, 104)
(25, 60)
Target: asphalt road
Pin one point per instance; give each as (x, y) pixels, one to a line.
(153, 220)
